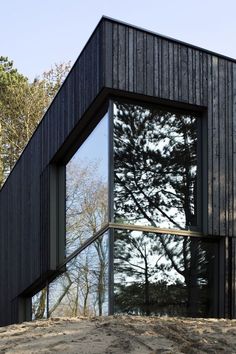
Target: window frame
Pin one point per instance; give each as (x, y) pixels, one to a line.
(201, 182)
(58, 256)
(58, 186)
(201, 159)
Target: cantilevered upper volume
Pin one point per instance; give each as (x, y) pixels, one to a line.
(164, 114)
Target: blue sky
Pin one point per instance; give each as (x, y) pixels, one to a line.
(35, 34)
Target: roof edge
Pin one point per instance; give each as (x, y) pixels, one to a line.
(222, 56)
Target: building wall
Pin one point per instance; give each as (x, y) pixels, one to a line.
(126, 61)
(147, 64)
(24, 199)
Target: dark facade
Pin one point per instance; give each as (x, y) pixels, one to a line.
(125, 68)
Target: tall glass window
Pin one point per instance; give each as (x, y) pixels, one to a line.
(87, 188)
(82, 287)
(134, 241)
(156, 154)
(162, 264)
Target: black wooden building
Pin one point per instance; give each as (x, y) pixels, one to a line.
(124, 199)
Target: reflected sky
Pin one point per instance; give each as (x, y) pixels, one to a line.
(39, 305)
(83, 288)
(155, 167)
(161, 274)
(87, 188)
(95, 149)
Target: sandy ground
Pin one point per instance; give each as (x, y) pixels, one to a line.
(121, 334)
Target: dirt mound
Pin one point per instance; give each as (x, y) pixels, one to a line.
(120, 334)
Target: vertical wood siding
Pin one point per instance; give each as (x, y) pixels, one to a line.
(150, 65)
(24, 199)
(128, 59)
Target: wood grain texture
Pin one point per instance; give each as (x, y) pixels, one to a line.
(24, 199)
(128, 60)
(177, 72)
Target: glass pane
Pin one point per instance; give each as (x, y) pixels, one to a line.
(83, 288)
(155, 167)
(87, 188)
(161, 274)
(39, 305)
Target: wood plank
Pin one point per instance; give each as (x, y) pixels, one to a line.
(126, 59)
(229, 134)
(157, 73)
(108, 69)
(176, 72)
(164, 69)
(234, 147)
(197, 81)
(121, 58)
(140, 63)
(130, 60)
(215, 146)
(150, 65)
(204, 90)
(222, 147)
(115, 54)
(184, 74)
(190, 75)
(171, 70)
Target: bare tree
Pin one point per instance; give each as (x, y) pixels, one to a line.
(82, 289)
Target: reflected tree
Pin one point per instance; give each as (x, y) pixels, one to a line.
(82, 288)
(155, 167)
(155, 179)
(86, 203)
(39, 305)
(101, 274)
(174, 279)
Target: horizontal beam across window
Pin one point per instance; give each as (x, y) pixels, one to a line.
(84, 245)
(156, 230)
(151, 229)
(130, 227)
(179, 269)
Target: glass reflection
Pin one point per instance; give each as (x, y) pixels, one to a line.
(155, 167)
(39, 305)
(83, 288)
(157, 274)
(87, 188)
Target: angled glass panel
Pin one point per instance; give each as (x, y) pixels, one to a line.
(155, 167)
(39, 305)
(83, 288)
(161, 274)
(87, 188)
